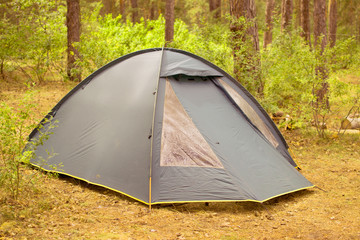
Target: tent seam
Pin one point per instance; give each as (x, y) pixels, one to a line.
(153, 125)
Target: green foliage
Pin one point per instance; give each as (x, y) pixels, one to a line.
(113, 38)
(292, 81)
(344, 55)
(210, 41)
(289, 69)
(105, 39)
(15, 124)
(34, 36)
(244, 42)
(192, 12)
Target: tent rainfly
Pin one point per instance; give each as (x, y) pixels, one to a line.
(166, 126)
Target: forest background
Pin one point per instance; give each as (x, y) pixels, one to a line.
(288, 53)
(299, 58)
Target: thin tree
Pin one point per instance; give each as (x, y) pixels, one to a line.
(169, 21)
(297, 13)
(305, 20)
(73, 36)
(135, 11)
(122, 9)
(245, 44)
(332, 22)
(270, 4)
(358, 23)
(286, 14)
(320, 24)
(215, 8)
(108, 7)
(153, 10)
(320, 90)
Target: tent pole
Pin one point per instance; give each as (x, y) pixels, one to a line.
(153, 124)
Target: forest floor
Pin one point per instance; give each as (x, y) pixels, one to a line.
(66, 208)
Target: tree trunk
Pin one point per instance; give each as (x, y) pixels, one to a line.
(358, 22)
(135, 11)
(169, 21)
(215, 8)
(238, 29)
(305, 21)
(73, 35)
(122, 10)
(153, 10)
(108, 7)
(2, 73)
(320, 43)
(245, 43)
(270, 4)
(286, 14)
(332, 22)
(320, 23)
(253, 28)
(297, 13)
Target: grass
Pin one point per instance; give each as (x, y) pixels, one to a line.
(65, 208)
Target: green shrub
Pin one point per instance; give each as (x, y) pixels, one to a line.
(291, 83)
(15, 125)
(106, 38)
(33, 37)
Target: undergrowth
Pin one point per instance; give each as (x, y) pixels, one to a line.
(15, 151)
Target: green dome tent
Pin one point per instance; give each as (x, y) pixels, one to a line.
(166, 126)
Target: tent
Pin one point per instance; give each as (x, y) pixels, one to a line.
(166, 126)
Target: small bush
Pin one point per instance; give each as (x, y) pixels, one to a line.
(15, 125)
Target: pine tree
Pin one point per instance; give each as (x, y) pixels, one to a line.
(73, 35)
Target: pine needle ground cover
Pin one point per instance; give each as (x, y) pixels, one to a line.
(56, 207)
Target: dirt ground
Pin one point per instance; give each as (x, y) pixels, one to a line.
(65, 208)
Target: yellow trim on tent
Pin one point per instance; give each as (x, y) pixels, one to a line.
(150, 204)
(87, 181)
(245, 200)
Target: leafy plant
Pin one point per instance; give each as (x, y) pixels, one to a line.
(33, 37)
(106, 38)
(292, 81)
(15, 124)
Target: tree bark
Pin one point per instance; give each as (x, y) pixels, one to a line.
(286, 14)
(73, 35)
(320, 43)
(305, 20)
(153, 10)
(108, 7)
(270, 4)
(253, 28)
(215, 8)
(332, 22)
(358, 22)
(297, 13)
(169, 21)
(122, 10)
(135, 11)
(245, 44)
(320, 23)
